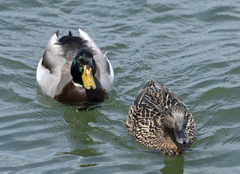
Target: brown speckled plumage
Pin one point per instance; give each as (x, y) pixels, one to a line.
(146, 116)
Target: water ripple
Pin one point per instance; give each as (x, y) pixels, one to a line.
(192, 47)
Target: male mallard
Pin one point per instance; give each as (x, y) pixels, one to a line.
(159, 120)
(74, 70)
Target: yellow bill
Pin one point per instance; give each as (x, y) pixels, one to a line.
(87, 77)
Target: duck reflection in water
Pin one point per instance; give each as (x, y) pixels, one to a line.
(173, 164)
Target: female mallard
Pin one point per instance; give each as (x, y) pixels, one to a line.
(74, 70)
(159, 120)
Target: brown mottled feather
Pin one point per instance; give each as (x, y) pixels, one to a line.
(146, 116)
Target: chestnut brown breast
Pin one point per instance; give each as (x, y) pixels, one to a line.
(72, 94)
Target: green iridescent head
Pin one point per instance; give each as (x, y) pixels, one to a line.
(83, 69)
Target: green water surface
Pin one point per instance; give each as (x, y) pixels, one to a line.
(191, 46)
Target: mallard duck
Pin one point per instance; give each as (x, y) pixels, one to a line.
(158, 119)
(74, 70)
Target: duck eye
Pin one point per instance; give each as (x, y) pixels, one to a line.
(79, 64)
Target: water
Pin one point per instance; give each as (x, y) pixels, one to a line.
(191, 46)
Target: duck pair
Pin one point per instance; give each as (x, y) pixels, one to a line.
(73, 70)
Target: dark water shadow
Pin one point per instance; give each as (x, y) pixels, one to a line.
(85, 107)
(81, 152)
(80, 132)
(77, 118)
(173, 164)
